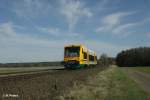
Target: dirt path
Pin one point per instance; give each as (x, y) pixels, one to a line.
(142, 79)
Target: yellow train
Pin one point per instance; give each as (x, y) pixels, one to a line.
(78, 56)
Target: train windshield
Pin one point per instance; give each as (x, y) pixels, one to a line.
(72, 51)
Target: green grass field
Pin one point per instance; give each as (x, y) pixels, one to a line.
(111, 84)
(143, 69)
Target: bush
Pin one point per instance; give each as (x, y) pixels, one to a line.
(105, 60)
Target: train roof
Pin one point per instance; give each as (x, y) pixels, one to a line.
(80, 45)
(74, 45)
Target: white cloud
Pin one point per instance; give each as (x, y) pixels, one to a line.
(50, 30)
(6, 29)
(30, 9)
(123, 28)
(53, 31)
(129, 28)
(9, 34)
(100, 29)
(113, 24)
(112, 20)
(73, 10)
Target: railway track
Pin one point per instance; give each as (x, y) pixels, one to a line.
(33, 73)
(28, 74)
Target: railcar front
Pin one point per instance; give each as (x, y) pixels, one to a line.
(72, 56)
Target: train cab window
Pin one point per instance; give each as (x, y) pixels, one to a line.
(72, 51)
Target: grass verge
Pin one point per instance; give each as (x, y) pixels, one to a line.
(143, 69)
(111, 84)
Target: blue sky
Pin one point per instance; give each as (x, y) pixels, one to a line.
(37, 30)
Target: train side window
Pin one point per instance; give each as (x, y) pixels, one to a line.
(85, 55)
(91, 58)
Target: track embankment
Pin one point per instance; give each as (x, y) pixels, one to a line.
(46, 85)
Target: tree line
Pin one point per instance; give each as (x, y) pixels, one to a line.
(134, 57)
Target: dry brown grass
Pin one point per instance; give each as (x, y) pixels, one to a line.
(110, 84)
